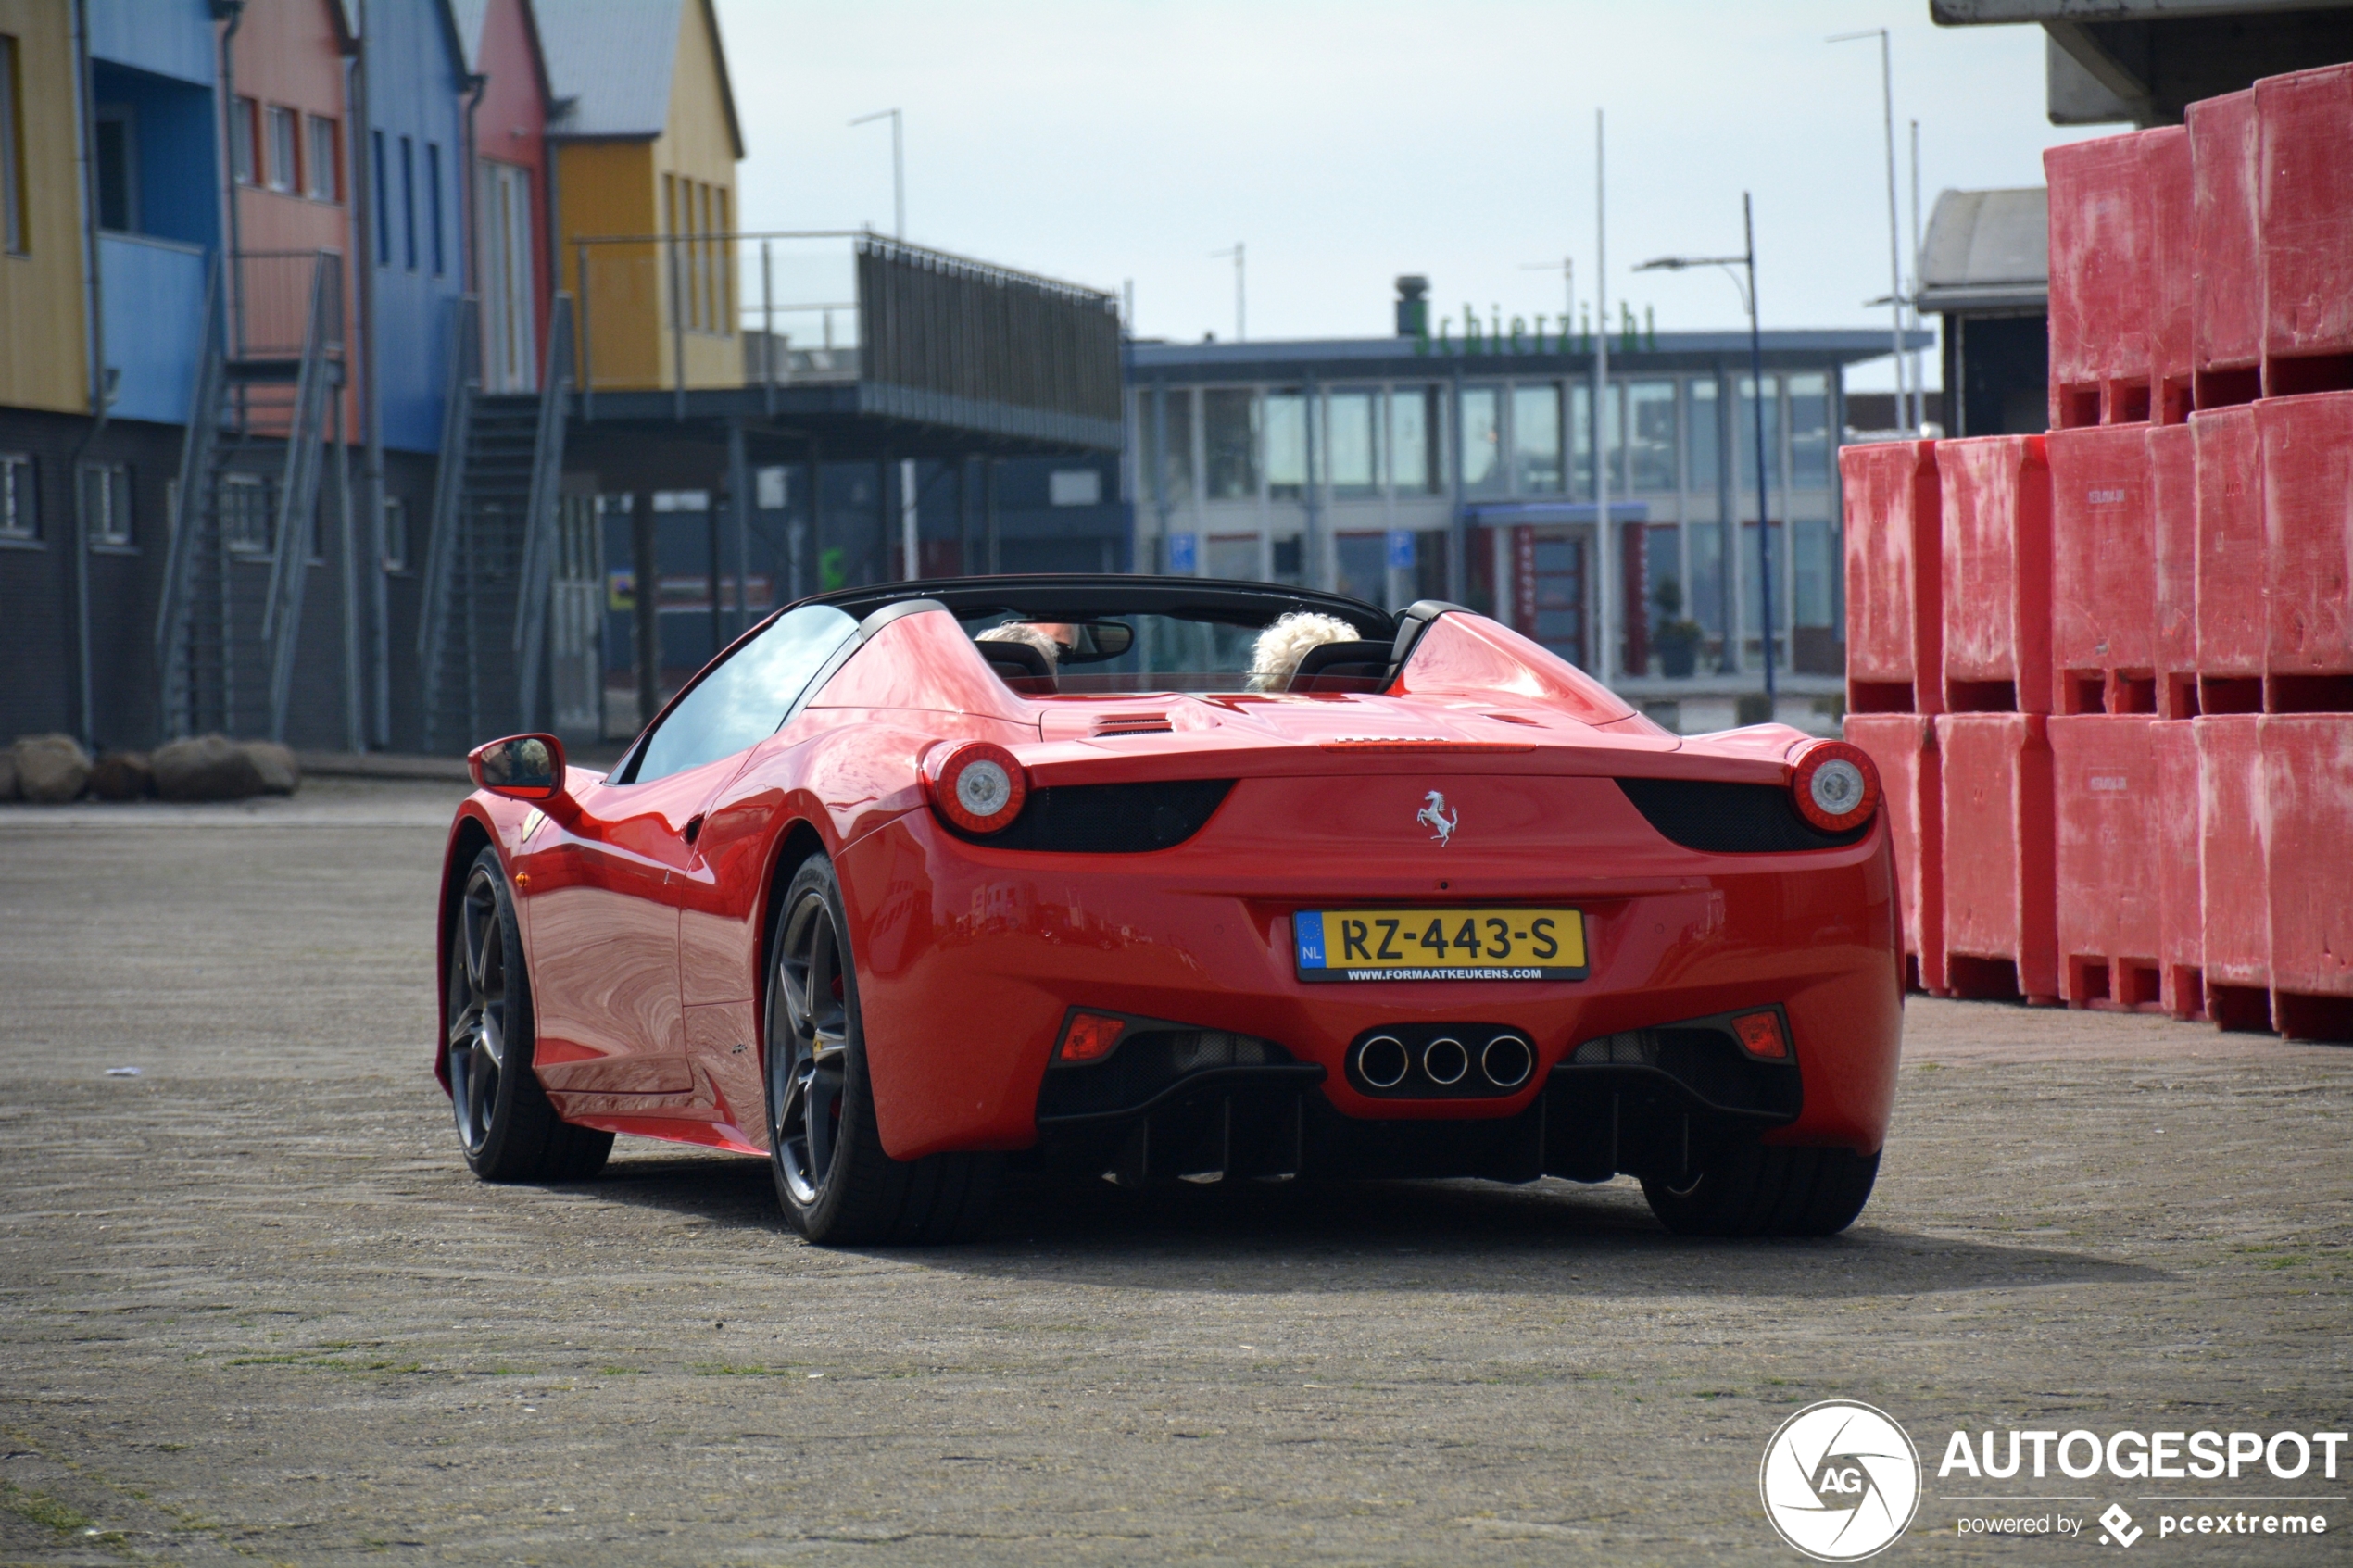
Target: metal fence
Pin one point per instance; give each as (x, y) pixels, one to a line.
(672, 311)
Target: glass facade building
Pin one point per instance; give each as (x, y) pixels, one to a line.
(1398, 468)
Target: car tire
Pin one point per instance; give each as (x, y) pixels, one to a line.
(837, 1185)
(1750, 1189)
(506, 1125)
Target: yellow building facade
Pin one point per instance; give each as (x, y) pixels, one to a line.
(44, 344)
(661, 178)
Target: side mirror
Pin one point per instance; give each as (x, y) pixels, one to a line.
(520, 767)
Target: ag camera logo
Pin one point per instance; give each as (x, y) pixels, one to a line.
(1840, 1481)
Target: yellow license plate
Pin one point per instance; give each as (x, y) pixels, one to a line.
(1440, 943)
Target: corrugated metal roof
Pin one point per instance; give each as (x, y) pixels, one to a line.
(1987, 250)
(614, 60)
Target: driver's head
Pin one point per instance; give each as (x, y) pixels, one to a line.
(1029, 635)
(1275, 659)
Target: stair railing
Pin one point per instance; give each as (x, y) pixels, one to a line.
(441, 541)
(298, 491)
(540, 516)
(197, 446)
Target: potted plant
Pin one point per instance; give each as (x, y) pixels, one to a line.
(1676, 638)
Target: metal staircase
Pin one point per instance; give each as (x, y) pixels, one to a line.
(263, 416)
(491, 547)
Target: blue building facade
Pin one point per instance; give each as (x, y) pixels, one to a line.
(415, 148)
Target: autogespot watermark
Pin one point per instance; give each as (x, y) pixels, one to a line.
(1841, 1481)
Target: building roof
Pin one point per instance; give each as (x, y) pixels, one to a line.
(1987, 251)
(1408, 359)
(612, 65)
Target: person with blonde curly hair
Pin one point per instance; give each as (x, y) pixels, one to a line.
(1275, 659)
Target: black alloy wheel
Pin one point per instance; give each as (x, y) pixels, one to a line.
(836, 1182)
(506, 1125)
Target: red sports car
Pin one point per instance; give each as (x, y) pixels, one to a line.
(1155, 878)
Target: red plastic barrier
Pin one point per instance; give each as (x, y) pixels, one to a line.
(2232, 625)
(2165, 164)
(2226, 283)
(2103, 244)
(2307, 545)
(2105, 800)
(1904, 744)
(2305, 130)
(2236, 917)
(1996, 568)
(2000, 898)
(2307, 785)
(2173, 522)
(2181, 919)
(2103, 576)
(1895, 629)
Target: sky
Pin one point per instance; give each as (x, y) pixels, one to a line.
(1114, 142)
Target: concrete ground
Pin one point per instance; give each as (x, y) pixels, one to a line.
(255, 1309)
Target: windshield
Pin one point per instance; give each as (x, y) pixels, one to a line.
(1168, 653)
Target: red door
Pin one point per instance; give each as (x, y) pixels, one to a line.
(603, 934)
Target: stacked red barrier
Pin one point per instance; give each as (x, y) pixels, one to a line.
(2109, 683)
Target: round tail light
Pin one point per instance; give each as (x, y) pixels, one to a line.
(1836, 785)
(978, 786)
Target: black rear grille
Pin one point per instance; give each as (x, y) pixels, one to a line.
(1729, 819)
(1126, 819)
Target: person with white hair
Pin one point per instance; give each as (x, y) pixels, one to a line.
(1028, 636)
(1275, 659)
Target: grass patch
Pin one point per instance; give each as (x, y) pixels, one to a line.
(313, 1361)
(725, 1369)
(43, 1510)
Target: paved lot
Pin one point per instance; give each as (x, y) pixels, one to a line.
(253, 1308)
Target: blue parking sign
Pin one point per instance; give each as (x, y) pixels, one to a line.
(1401, 549)
(1183, 556)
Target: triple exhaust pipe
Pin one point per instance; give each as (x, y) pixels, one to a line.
(1504, 1062)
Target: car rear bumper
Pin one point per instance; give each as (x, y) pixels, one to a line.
(971, 958)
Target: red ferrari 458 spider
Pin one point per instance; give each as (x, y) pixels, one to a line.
(1160, 878)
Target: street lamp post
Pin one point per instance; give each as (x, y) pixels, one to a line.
(897, 171)
(1747, 261)
(1241, 290)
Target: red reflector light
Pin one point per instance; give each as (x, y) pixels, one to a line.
(1760, 1034)
(1836, 785)
(976, 786)
(1091, 1038)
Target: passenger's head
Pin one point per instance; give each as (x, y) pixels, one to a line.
(1276, 657)
(1025, 634)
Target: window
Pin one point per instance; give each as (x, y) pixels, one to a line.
(118, 170)
(1580, 438)
(326, 161)
(1482, 441)
(1169, 412)
(1414, 440)
(680, 307)
(244, 514)
(433, 203)
(707, 264)
(1536, 438)
(1075, 487)
(285, 173)
(1230, 421)
(105, 506)
(1744, 432)
(384, 206)
(409, 199)
(726, 253)
(1650, 444)
(1809, 430)
(244, 150)
(13, 226)
(741, 702)
(1235, 556)
(1350, 463)
(1705, 433)
(1286, 444)
(396, 533)
(19, 510)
